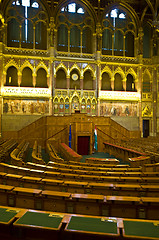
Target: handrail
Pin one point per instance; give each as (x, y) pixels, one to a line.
(57, 133)
(106, 134)
(120, 126)
(19, 131)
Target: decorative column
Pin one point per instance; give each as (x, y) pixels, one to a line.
(52, 84)
(48, 80)
(34, 79)
(34, 37)
(112, 83)
(154, 103)
(124, 84)
(140, 101)
(81, 36)
(98, 86)
(68, 81)
(20, 37)
(3, 83)
(81, 82)
(19, 79)
(69, 41)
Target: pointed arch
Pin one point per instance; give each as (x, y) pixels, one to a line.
(12, 76)
(41, 78)
(27, 77)
(61, 78)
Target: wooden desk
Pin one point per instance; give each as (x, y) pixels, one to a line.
(75, 187)
(31, 182)
(86, 227)
(151, 206)
(127, 189)
(109, 178)
(151, 190)
(49, 174)
(88, 177)
(102, 160)
(23, 171)
(150, 179)
(36, 173)
(39, 225)
(130, 179)
(115, 173)
(13, 179)
(7, 217)
(123, 206)
(140, 229)
(101, 188)
(87, 203)
(23, 197)
(55, 201)
(68, 176)
(2, 178)
(4, 191)
(36, 166)
(52, 184)
(133, 174)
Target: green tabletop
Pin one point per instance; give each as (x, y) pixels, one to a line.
(6, 215)
(44, 220)
(141, 229)
(94, 225)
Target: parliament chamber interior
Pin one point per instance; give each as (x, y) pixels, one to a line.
(79, 115)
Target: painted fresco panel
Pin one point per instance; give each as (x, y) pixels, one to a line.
(25, 106)
(118, 109)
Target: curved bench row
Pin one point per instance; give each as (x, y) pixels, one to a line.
(54, 181)
(135, 158)
(19, 153)
(68, 153)
(56, 172)
(52, 153)
(77, 203)
(6, 148)
(36, 154)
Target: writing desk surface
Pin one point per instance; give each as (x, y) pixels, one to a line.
(6, 187)
(7, 215)
(143, 229)
(9, 175)
(27, 190)
(87, 196)
(93, 225)
(40, 220)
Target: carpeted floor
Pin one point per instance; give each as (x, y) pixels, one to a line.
(45, 156)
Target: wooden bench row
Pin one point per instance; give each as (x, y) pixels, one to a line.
(6, 148)
(104, 161)
(80, 175)
(19, 153)
(135, 158)
(77, 203)
(53, 154)
(114, 188)
(36, 154)
(68, 153)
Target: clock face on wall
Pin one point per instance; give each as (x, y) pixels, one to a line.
(75, 76)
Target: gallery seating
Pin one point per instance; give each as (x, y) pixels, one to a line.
(36, 154)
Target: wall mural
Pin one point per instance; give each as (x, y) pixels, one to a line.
(25, 106)
(119, 109)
